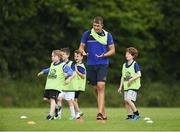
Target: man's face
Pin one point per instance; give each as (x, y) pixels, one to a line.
(97, 27)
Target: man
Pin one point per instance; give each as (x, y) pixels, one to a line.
(99, 46)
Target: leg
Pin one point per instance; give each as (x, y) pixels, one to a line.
(52, 106)
(52, 109)
(58, 110)
(128, 108)
(131, 105)
(71, 107)
(100, 97)
(76, 106)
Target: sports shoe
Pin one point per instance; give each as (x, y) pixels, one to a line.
(58, 117)
(129, 118)
(49, 117)
(72, 118)
(81, 114)
(99, 116)
(104, 117)
(56, 113)
(136, 117)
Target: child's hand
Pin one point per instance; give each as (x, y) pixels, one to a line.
(40, 73)
(119, 90)
(67, 81)
(130, 82)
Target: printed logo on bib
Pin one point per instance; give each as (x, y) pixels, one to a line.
(128, 76)
(52, 74)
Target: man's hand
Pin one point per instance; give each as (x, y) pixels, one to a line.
(100, 56)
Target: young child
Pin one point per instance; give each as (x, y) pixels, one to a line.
(57, 75)
(79, 79)
(68, 91)
(130, 80)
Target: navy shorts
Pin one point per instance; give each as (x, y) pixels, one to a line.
(97, 73)
(77, 93)
(51, 94)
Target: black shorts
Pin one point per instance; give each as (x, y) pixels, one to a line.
(77, 93)
(51, 94)
(97, 73)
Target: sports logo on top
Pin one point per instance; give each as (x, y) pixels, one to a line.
(52, 74)
(128, 76)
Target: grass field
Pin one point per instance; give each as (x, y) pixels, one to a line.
(164, 119)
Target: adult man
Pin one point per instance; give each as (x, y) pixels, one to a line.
(99, 46)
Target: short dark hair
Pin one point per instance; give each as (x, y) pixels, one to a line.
(66, 50)
(79, 52)
(133, 51)
(98, 19)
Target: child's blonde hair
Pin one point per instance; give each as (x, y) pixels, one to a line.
(57, 52)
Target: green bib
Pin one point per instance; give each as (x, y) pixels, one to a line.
(80, 83)
(70, 86)
(55, 78)
(100, 39)
(128, 73)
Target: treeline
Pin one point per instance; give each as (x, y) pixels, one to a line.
(31, 29)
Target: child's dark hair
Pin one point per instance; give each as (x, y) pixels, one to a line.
(133, 51)
(79, 52)
(66, 50)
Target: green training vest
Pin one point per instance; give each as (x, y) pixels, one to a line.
(128, 73)
(70, 86)
(80, 83)
(100, 39)
(55, 78)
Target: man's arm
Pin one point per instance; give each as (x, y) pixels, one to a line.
(82, 48)
(111, 51)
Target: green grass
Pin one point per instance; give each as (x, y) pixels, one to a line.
(165, 119)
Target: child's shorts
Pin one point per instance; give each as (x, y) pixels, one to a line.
(67, 95)
(51, 94)
(77, 93)
(130, 95)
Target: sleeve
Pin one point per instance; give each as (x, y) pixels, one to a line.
(67, 70)
(84, 37)
(73, 67)
(136, 67)
(81, 70)
(46, 71)
(110, 39)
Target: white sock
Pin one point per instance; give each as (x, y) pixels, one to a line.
(51, 114)
(72, 111)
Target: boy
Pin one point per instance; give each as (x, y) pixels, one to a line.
(79, 80)
(57, 75)
(130, 80)
(68, 91)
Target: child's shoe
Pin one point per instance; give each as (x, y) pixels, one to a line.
(72, 118)
(136, 117)
(49, 117)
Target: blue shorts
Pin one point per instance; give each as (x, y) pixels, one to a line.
(97, 73)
